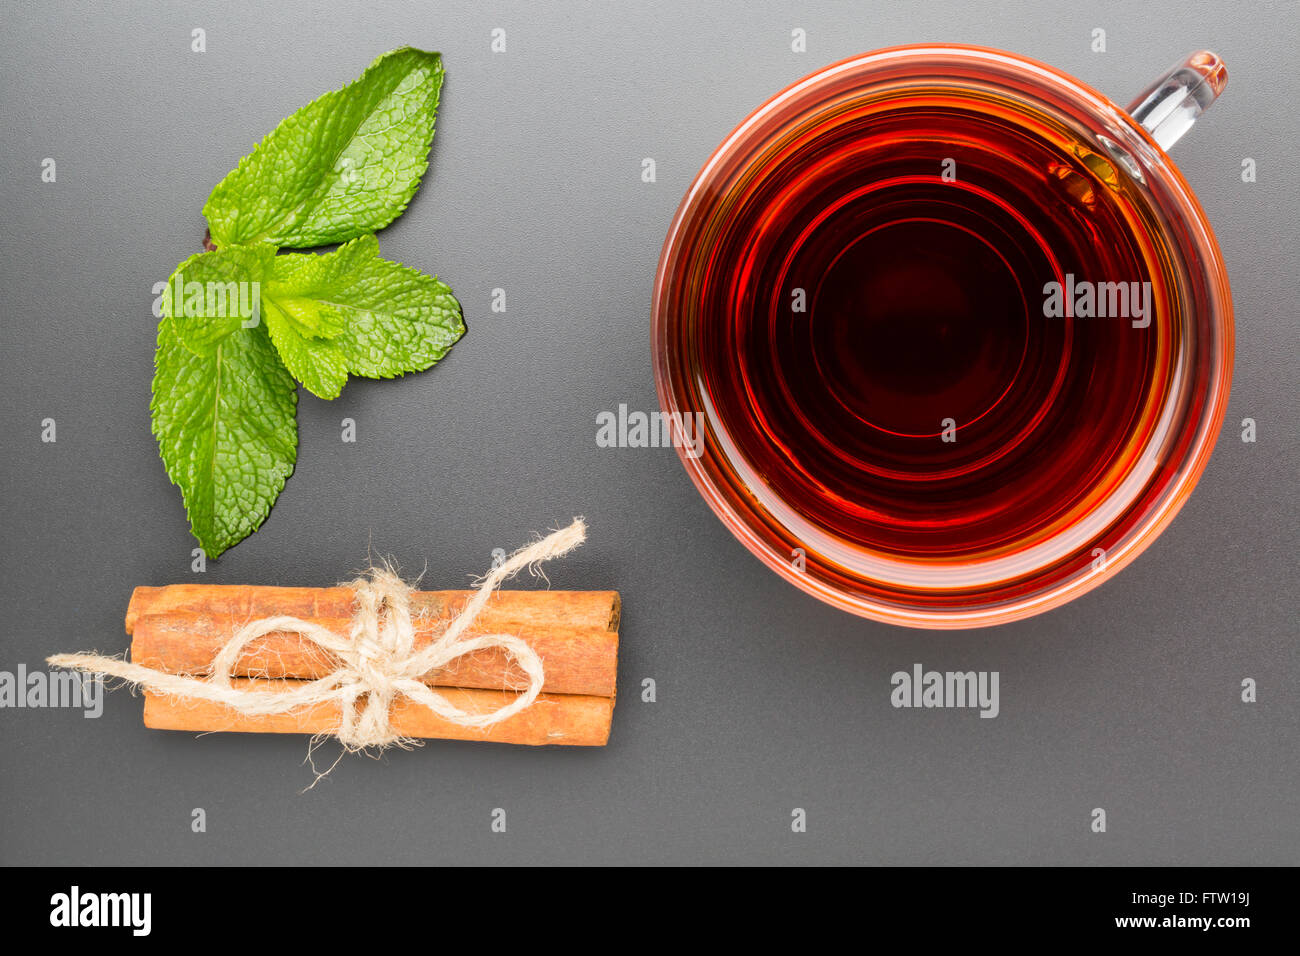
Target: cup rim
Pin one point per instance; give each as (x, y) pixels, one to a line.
(1164, 508)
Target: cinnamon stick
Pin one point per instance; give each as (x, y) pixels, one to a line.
(577, 659)
(580, 720)
(245, 602)
(181, 627)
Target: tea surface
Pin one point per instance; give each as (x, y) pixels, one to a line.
(879, 339)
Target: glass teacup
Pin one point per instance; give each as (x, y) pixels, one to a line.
(958, 330)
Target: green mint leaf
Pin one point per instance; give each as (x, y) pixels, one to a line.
(312, 360)
(309, 318)
(226, 427)
(300, 328)
(344, 165)
(212, 294)
(394, 319)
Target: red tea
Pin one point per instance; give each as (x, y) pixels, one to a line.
(932, 329)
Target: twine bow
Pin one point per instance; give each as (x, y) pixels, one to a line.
(378, 661)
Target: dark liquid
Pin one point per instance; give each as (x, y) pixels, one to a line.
(921, 403)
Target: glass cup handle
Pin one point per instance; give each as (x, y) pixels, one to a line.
(1168, 108)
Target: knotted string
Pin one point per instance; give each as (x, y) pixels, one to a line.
(378, 661)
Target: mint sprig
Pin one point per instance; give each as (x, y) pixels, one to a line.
(240, 322)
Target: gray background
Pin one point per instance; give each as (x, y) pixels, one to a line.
(1127, 699)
